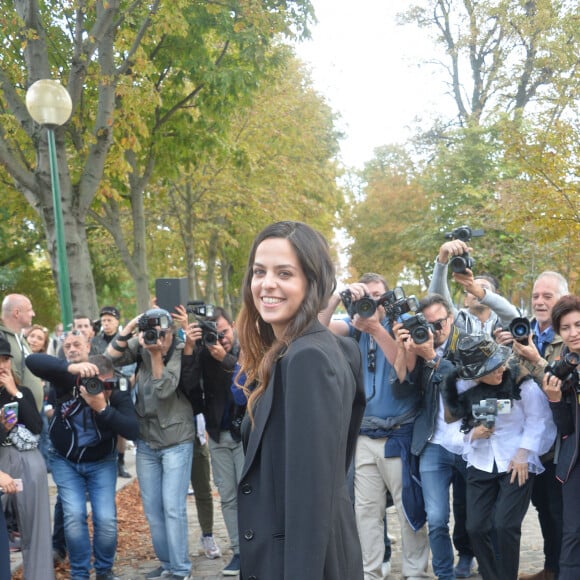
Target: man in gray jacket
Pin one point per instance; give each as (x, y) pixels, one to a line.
(166, 432)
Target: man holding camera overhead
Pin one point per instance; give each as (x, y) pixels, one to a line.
(90, 412)
(166, 430)
(484, 310)
(383, 446)
(210, 355)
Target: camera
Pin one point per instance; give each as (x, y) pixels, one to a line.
(197, 311)
(418, 328)
(396, 304)
(147, 324)
(94, 385)
(365, 307)
(393, 301)
(565, 366)
(520, 329)
(459, 264)
(486, 411)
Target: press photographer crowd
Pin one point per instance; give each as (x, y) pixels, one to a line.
(311, 412)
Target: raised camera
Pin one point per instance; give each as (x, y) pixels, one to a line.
(418, 328)
(197, 311)
(148, 324)
(520, 329)
(459, 264)
(563, 367)
(95, 385)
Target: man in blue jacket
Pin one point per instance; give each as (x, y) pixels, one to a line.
(91, 410)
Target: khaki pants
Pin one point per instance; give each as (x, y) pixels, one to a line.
(373, 475)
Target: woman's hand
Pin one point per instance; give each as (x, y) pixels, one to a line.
(519, 471)
(552, 386)
(7, 484)
(481, 432)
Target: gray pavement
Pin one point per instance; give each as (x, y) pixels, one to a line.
(531, 554)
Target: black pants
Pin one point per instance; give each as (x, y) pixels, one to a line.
(494, 502)
(570, 555)
(547, 499)
(460, 536)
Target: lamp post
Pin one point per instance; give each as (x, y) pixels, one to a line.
(50, 105)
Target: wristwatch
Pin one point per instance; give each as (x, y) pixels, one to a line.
(434, 362)
(125, 337)
(18, 395)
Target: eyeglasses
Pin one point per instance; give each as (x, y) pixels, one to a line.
(439, 324)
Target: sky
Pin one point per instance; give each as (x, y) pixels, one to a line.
(372, 72)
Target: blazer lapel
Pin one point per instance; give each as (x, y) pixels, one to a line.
(260, 419)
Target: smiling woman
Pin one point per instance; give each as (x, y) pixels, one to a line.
(295, 516)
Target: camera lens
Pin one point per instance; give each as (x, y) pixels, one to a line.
(458, 264)
(520, 328)
(93, 385)
(365, 307)
(150, 336)
(420, 334)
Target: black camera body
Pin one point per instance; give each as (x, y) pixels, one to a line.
(564, 367)
(198, 311)
(365, 307)
(520, 329)
(94, 385)
(148, 324)
(393, 301)
(486, 411)
(418, 328)
(459, 264)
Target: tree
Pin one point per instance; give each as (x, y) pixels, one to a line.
(137, 72)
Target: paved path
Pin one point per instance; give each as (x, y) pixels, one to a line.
(531, 559)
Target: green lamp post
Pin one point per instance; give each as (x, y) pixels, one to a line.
(50, 105)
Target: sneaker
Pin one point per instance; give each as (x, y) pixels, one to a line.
(465, 567)
(107, 576)
(386, 569)
(210, 548)
(233, 568)
(158, 573)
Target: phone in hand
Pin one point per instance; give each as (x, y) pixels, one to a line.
(11, 407)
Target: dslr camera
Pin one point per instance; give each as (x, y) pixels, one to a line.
(198, 311)
(393, 301)
(486, 411)
(95, 385)
(564, 367)
(520, 329)
(418, 328)
(147, 324)
(459, 264)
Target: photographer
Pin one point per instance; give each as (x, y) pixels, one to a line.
(507, 425)
(210, 355)
(83, 433)
(438, 444)
(484, 310)
(166, 431)
(562, 384)
(382, 451)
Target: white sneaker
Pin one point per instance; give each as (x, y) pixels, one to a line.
(210, 548)
(386, 569)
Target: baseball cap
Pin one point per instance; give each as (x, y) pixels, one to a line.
(111, 311)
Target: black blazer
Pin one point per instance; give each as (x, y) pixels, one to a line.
(295, 517)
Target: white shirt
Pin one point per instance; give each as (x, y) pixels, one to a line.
(528, 426)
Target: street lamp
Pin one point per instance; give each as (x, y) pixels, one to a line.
(50, 105)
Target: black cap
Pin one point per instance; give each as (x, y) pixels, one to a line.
(479, 355)
(111, 311)
(5, 349)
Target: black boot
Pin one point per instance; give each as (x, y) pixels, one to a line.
(121, 471)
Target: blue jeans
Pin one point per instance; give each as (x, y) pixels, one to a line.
(164, 480)
(437, 466)
(74, 481)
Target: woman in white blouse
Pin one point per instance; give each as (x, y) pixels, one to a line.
(507, 424)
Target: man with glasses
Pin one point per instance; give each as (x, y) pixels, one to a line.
(438, 444)
(83, 433)
(207, 373)
(484, 310)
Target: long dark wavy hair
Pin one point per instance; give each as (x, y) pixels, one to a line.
(259, 346)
